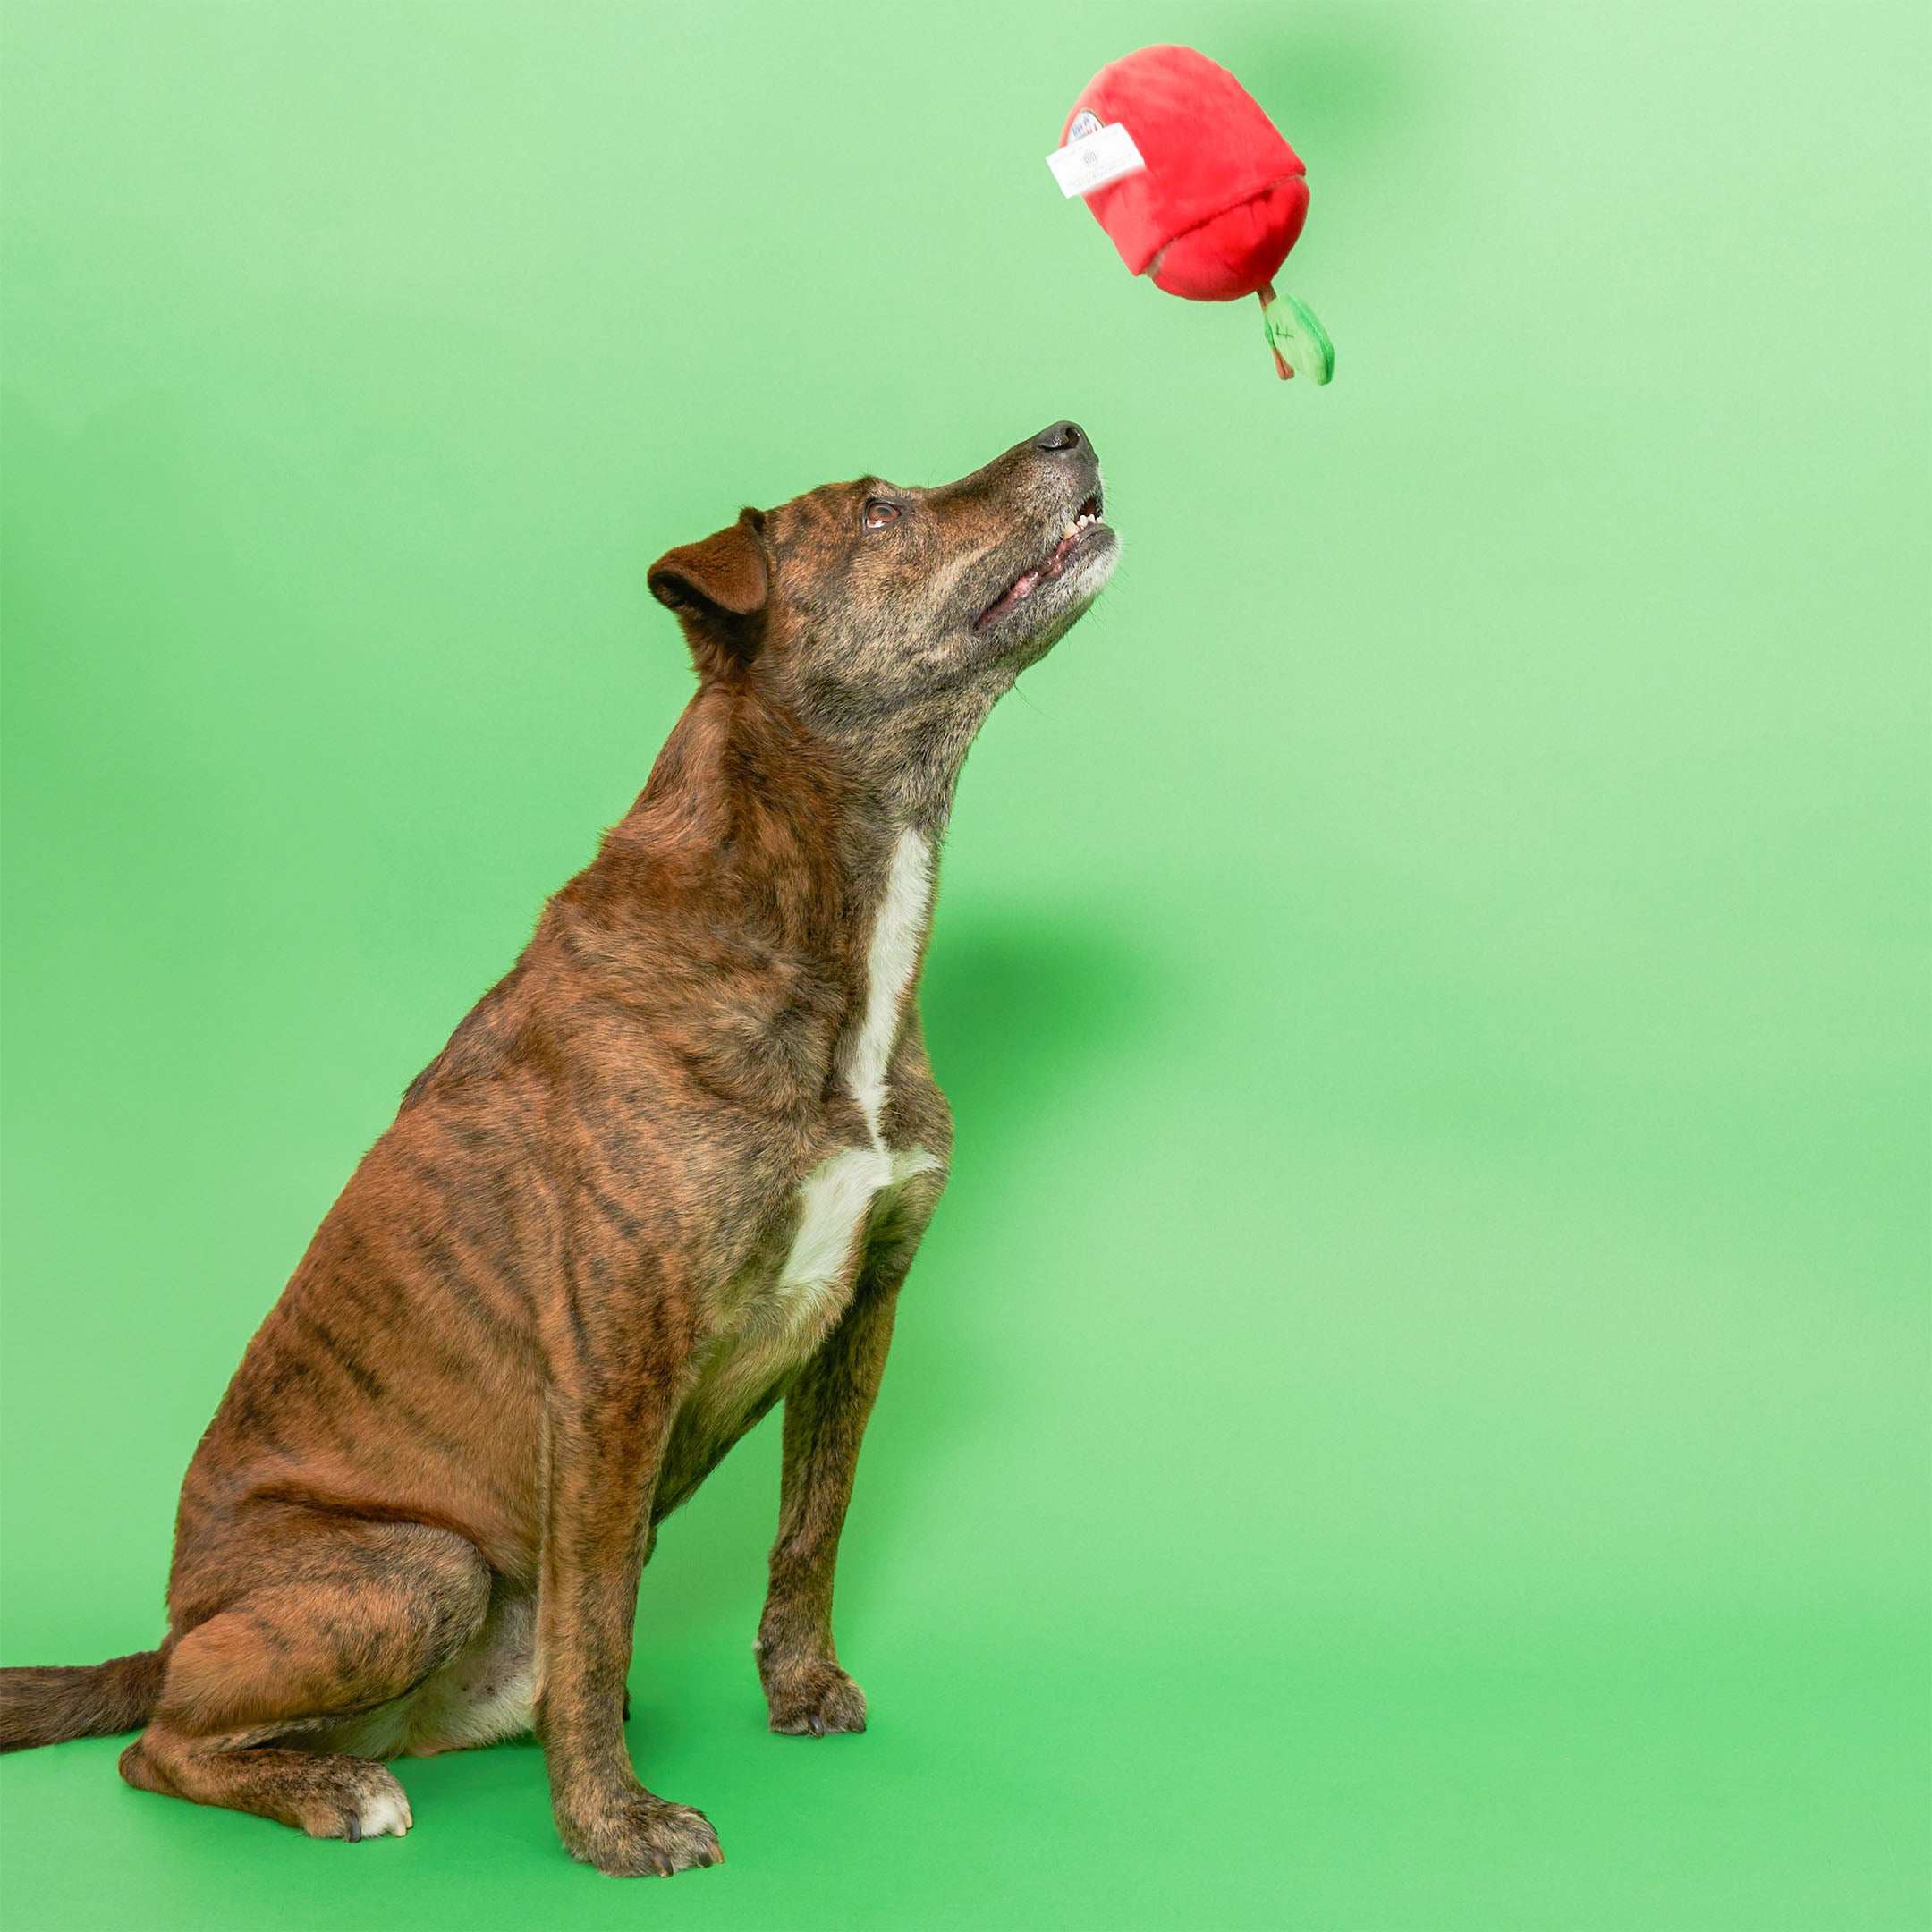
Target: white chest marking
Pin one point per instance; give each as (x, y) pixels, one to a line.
(835, 1198)
(837, 1194)
(897, 936)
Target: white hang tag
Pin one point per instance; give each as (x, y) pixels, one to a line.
(1093, 159)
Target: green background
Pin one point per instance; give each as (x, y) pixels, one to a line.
(1413, 1411)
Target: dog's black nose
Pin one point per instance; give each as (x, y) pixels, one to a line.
(1062, 436)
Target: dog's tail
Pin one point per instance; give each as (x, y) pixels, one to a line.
(50, 1703)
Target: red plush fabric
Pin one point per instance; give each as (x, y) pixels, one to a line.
(1222, 199)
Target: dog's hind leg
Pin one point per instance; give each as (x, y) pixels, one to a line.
(341, 1616)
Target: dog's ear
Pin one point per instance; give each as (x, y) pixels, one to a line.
(718, 589)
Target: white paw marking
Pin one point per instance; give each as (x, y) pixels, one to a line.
(385, 1815)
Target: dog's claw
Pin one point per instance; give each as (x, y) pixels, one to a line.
(355, 1832)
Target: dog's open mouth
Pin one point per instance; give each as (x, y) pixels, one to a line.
(1050, 566)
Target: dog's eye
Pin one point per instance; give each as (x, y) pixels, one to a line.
(879, 513)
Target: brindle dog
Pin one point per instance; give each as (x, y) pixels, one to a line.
(673, 1167)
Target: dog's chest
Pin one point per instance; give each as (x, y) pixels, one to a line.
(787, 1301)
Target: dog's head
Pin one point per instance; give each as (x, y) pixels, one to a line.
(883, 613)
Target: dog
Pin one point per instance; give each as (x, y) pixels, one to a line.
(670, 1170)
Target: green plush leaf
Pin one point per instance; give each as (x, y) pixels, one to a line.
(1299, 339)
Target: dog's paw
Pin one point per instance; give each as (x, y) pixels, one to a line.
(382, 1813)
(332, 1797)
(638, 1835)
(812, 1698)
(348, 1798)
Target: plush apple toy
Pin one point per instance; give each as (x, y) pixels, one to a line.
(1196, 187)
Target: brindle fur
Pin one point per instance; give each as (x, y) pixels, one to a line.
(418, 1519)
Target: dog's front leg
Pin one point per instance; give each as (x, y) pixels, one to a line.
(825, 1410)
(607, 1414)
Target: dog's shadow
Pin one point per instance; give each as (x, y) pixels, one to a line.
(1016, 1009)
